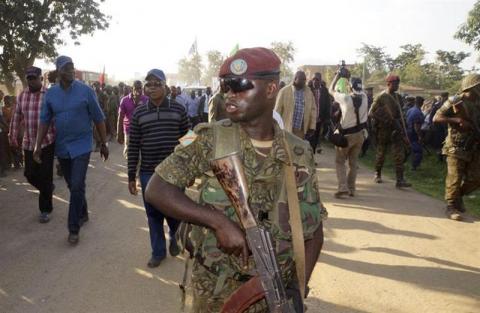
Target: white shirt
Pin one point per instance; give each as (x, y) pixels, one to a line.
(279, 119)
(349, 118)
(205, 106)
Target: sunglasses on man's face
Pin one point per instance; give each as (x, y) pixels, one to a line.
(238, 84)
(154, 84)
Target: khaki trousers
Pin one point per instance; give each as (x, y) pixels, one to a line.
(346, 181)
(462, 177)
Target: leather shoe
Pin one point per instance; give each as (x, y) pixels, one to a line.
(44, 218)
(173, 249)
(73, 238)
(155, 262)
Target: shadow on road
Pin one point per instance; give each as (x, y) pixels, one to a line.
(439, 279)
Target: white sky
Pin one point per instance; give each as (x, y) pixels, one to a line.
(145, 34)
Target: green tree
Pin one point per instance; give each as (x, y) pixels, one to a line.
(374, 57)
(215, 60)
(469, 31)
(410, 54)
(448, 65)
(286, 53)
(190, 69)
(33, 29)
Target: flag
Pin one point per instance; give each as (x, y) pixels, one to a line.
(101, 79)
(193, 48)
(235, 49)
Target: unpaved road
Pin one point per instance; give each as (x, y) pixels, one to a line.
(386, 250)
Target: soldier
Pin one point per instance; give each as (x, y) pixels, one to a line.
(462, 145)
(386, 111)
(252, 76)
(217, 104)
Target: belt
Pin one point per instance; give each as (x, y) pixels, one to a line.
(354, 129)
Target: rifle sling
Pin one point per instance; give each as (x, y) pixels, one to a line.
(295, 220)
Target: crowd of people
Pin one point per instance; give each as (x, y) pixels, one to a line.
(273, 128)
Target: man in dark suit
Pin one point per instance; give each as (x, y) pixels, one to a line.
(324, 105)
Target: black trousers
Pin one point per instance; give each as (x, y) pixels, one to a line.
(40, 176)
(318, 134)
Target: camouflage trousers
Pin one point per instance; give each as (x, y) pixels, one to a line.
(208, 300)
(383, 141)
(463, 177)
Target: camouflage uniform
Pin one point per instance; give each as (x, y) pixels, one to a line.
(215, 274)
(463, 156)
(385, 130)
(216, 107)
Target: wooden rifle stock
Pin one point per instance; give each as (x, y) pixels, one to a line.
(241, 299)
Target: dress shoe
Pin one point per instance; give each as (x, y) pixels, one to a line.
(155, 262)
(341, 194)
(173, 248)
(44, 218)
(73, 238)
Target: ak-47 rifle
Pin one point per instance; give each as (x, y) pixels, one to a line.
(230, 174)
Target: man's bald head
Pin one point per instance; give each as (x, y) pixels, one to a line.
(300, 80)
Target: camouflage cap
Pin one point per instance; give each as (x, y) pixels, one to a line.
(470, 81)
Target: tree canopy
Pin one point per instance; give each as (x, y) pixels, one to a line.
(33, 29)
(469, 31)
(286, 53)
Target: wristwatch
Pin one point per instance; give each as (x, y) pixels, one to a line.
(105, 144)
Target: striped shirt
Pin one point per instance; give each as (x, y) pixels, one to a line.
(27, 115)
(154, 133)
(298, 109)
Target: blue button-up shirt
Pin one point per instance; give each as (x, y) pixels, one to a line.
(414, 116)
(73, 110)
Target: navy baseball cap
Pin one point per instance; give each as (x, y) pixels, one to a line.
(33, 71)
(157, 74)
(62, 61)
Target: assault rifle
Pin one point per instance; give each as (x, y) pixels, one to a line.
(230, 174)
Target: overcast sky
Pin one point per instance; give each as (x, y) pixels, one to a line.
(146, 34)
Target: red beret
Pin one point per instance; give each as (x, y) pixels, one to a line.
(392, 78)
(251, 62)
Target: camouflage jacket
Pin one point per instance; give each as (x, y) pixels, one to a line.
(268, 198)
(458, 143)
(384, 107)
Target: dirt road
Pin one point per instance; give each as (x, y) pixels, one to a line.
(386, 251)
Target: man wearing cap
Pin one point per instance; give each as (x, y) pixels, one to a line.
(296, 106)
(353, 122)
(26, 116)
(128, 104)
(155, 129)
(386, 111)
(73, 106)
(252, 76)
(462, 145)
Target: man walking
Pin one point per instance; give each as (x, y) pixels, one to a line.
(415, 118)
(296, 106)
(203, 104)
(462, 145)
(386, 111)
(155, 130)
(323, 104)
(216, 106)
(252, 75)
(73, 106)
(26, 117)
(353, 121)
(128, 104)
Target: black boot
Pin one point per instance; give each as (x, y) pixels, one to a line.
(401, 182)
(378, 176)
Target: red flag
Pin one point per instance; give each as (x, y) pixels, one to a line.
(101, 79)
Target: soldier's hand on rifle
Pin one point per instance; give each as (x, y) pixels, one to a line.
(231, 240)
(463, 125)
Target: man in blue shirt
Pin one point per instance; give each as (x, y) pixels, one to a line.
(415, 119)
(73, 106)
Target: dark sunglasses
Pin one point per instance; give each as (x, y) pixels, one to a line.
(238, 84)
(154, 84)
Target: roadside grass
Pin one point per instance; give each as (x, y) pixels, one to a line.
(429, 178)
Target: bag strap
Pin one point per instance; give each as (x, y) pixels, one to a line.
(226, 138)
(295, 220)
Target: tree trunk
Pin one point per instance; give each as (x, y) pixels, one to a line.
(10, 84)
